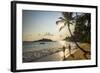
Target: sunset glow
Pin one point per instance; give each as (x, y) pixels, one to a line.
(42, 24)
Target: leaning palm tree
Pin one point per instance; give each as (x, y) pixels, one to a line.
(68, 20)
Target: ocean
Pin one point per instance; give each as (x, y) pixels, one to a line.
(40, 45)
(45, 51)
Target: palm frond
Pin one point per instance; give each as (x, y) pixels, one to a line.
(65, 23)
(58, 22)
(67, 15)
(61, 18)
(61, 28)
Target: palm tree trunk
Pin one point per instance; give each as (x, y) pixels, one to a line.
(76, 42)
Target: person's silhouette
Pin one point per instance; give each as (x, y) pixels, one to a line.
(64, 48)
(69, 47)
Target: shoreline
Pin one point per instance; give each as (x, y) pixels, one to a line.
(55, 54)
(33, 56)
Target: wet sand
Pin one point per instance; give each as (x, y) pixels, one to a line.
(46, 55)
(80, 55)
(52, 54)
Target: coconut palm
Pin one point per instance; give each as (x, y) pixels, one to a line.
(83, 28)
(68, 20)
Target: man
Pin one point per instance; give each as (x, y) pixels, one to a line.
(64, 48)
(69, 47)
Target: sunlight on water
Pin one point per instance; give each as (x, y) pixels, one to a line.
(61, 54)
(48, 51)
(63, 43)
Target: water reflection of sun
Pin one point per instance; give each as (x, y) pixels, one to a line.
(63, 43)
(61, 54)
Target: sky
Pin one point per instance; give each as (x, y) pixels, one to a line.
(41, 24)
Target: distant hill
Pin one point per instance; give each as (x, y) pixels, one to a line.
(41, 40)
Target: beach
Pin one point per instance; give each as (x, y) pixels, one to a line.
(80, 55)
(54, 54)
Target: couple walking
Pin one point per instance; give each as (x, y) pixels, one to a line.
(64, 50)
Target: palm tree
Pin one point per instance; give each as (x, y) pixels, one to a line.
(68, 20)
(83, 28)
